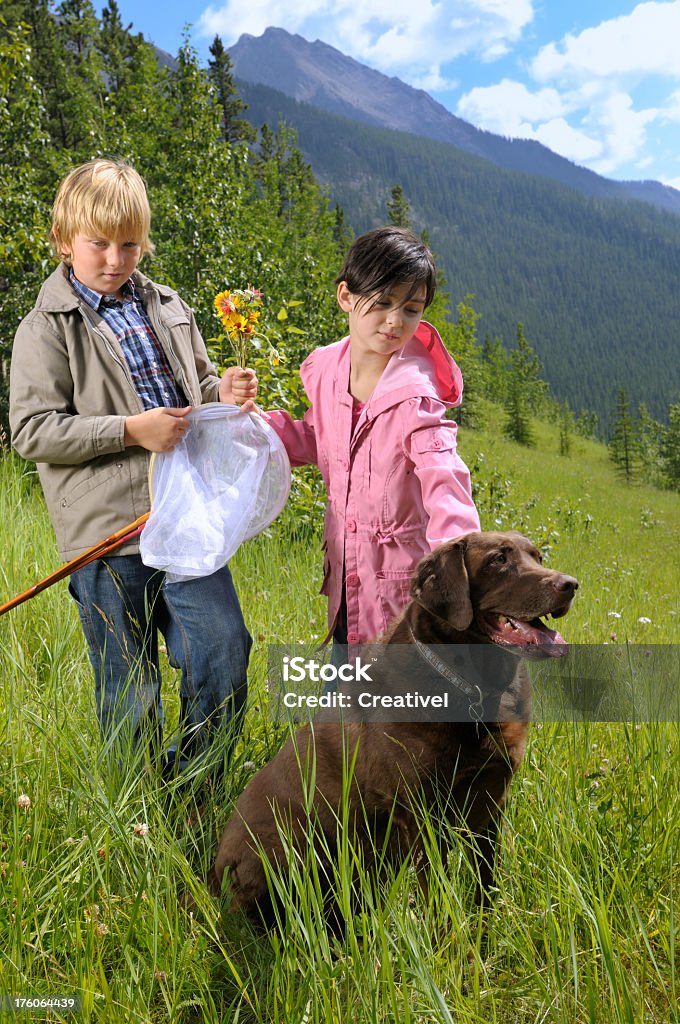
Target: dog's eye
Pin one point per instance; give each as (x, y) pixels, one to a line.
(499, 559)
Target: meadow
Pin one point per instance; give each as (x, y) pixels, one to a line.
(95, 862)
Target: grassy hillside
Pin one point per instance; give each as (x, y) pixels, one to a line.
(594, 281)
(585, 922)
(622, 542)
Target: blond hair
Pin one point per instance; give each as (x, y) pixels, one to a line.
(102, 198)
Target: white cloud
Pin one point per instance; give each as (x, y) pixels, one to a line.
(235, 17)
(622, 130)
(432, 81)
(671, 110)
(642, 42)
(584, 103)
(391, 36)
(510, 108)
(590, 125)
(495, 52)
(576, 145)
(507, 107)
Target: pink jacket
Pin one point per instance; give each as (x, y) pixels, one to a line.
(396, 487)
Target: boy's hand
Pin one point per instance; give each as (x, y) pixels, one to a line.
(157, 430)
(238, 386)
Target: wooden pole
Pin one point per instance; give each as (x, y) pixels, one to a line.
(104, 547)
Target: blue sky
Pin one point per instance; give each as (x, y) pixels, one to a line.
(598, 82)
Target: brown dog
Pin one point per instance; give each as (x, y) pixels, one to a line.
(487, 589)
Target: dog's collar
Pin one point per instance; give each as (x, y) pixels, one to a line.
(474, 693)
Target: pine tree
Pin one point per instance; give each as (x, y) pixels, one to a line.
(138, 107)
(117, 46)
(465, 349)
(623, 445)
(398, 208)
(586, 424)
(566, 428)
(649, 440)
(79, 97)
(525, 390)
(195, 197)
(341, 233)
(670, 448)
(221, 75)
(307, 243)
(495, 366)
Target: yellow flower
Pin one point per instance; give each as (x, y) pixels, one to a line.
(240, 313)
(224, 304)
(237, 322)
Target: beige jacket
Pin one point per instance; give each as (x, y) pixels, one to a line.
(70, 391)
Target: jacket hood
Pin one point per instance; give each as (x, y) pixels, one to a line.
(422, 368)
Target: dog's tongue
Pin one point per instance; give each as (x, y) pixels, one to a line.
(533, 637)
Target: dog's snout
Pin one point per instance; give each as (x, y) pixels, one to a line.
(565, 584)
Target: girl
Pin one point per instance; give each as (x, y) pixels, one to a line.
(378, 433)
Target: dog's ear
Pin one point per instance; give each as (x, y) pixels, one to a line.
(441, 584)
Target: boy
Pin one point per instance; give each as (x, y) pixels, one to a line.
(104, 371)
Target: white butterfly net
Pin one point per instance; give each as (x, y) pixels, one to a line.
(225, 482)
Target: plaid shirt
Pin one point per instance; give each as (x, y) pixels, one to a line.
(148, 364)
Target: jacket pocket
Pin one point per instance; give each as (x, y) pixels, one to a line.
(97, 476)
(394, 593)
(434, 439)
(98, 501)
(173, 320)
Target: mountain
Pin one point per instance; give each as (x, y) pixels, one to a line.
(318, 74)
(165, 59)
(594, 281)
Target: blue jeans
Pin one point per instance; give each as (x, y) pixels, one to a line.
(123, 606)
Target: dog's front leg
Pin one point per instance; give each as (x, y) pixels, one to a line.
(484, 849)
(410, 842)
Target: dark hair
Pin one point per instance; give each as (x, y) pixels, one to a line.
(387, 256)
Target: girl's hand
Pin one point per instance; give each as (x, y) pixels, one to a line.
(157, 430)
(238, 386)
(250, 406)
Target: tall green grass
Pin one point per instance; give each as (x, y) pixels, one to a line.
(93, 874)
